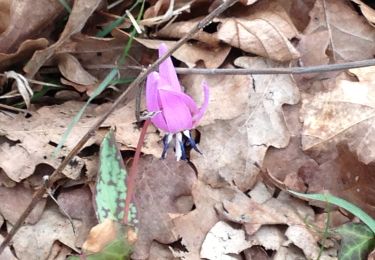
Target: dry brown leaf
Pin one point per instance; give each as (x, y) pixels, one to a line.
(4, 14)
(15, 200)
(31, 141)
(298, 11)
(24, 52)
(35, 242)
(264, 30)
(301, 237)
(29, 20)
(160, 184)
(100, 235)
(81, 11)
(191, 54)
(178, 30)
(161, 252)
(71, 202)
(193, 227)
(352, 38)
(367, 11)
(234, 146)
(288, 253)
(344, 112)
(72, 70)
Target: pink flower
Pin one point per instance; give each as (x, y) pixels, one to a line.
(178, 112)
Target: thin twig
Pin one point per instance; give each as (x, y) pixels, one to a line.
(240, 71)
(57, 174)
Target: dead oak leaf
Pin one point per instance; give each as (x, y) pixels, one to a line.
(15, 200)
(81, 11)
(265, 31)
(35, 241)
(6, 254)
(343, 113)
(191, 54)
(28, 20)
(193, 227)
(31, 141)
(352, 38)
(234, 146)
(160, 185)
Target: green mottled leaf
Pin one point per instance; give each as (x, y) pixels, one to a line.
(110, 186)
(116, 250)
(357, 241)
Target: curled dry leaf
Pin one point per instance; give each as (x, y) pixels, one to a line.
(34, 242)
(160, 184)
(191, 54)
(81, 11)
(31, 141)
(178, 30)
(29, 20)
(72, 70)
(367, 11)
(22, 86)
(264, 30)
(15, 200)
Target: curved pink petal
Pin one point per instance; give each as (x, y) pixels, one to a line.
(167, 70)
(202, 110)
(176, 113)
(185, 98)
(152, 100)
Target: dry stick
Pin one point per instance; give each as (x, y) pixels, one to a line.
(57, 175)
(240, 71)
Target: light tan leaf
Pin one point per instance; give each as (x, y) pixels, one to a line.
(265, 31)
(234, 146)
(222, 241)
(4, 14)
(190, 54)
(81, 11)
(100, 235)
(22, 86)
(31, 141)
(178, 30)
(345, 112)
(367, 11)
(35, 242)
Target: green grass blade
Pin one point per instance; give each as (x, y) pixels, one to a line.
(110, 185)
(102, 86)
(357, 241)
(368, 220)
(66, 6)
(108, 29)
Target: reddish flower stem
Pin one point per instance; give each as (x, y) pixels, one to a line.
(133, 171)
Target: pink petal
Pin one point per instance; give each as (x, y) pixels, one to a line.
(176, 113)
(185, 98)
(167, 70)
(204, 107)
(152, 100)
